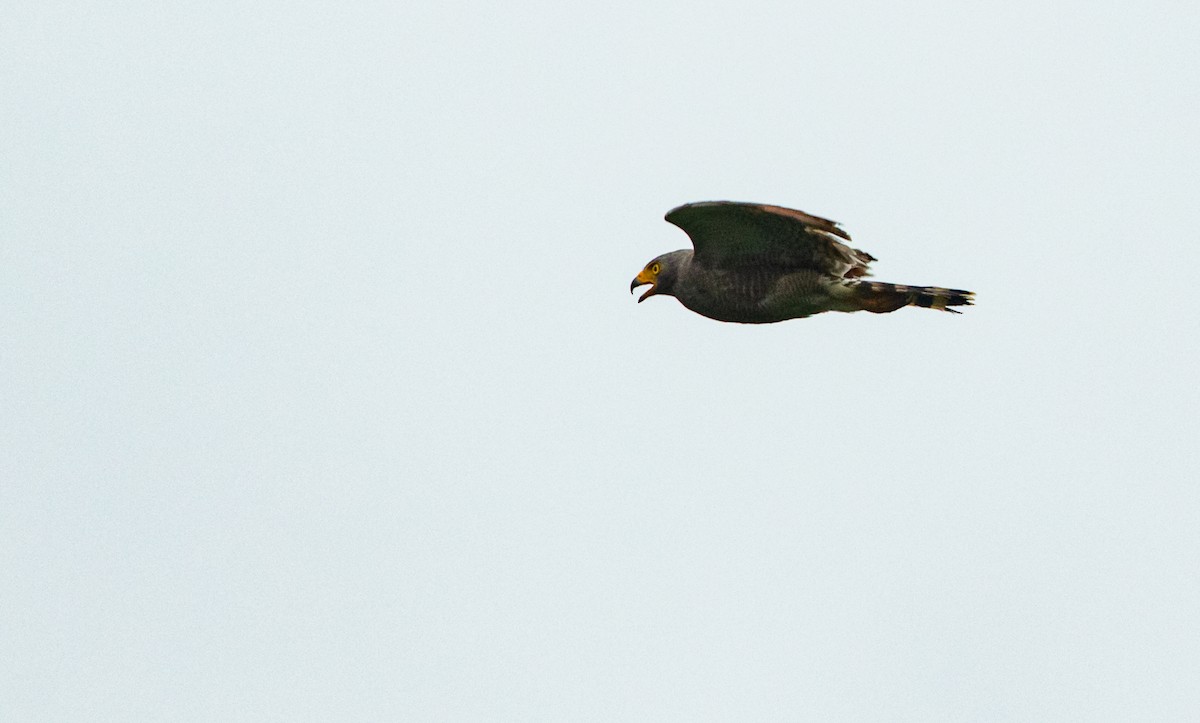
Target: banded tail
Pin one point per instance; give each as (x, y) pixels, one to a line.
(880, 298)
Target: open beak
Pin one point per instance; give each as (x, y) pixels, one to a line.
(642, 279)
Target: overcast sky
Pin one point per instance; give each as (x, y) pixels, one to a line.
(324, 396)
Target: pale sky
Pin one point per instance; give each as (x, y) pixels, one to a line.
(325, 397)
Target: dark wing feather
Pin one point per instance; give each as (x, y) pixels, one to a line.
(727, 234)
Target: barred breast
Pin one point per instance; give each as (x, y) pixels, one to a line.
(751, 294)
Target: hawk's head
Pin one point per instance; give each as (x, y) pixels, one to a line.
(660, 274)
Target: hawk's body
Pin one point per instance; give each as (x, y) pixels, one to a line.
(757, 264)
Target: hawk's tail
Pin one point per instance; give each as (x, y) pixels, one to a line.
(880, 297)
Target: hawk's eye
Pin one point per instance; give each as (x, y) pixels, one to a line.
(654, 269)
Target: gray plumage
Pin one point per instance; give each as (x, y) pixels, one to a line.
(756, 264)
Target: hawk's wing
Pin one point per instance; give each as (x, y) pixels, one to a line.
(728, 234)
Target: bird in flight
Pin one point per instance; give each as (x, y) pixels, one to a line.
(758, 264)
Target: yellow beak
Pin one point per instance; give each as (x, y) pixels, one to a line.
(644, 277)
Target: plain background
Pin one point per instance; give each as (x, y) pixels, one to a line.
(324, 398)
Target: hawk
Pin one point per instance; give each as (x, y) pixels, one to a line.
(758, 264)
